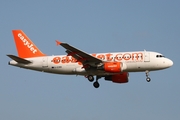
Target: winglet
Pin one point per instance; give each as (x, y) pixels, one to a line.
(58, 42)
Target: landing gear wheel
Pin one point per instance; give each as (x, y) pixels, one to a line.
(148, 79)
(90, 78)
(96, 84)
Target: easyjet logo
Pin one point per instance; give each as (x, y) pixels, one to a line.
(118, 57)
(27, 44)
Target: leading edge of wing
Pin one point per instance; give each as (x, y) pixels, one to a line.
(78, 54)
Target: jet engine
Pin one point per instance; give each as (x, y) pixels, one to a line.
(118, 78)
(113, 67)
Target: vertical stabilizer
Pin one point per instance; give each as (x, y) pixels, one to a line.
(25, 47)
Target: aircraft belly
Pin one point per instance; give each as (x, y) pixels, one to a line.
(135, 67)
(140, 66)
(62, 68)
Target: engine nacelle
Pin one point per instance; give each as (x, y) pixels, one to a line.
(118, 78)
(113, 67)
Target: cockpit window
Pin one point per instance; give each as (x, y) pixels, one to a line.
(159, 56)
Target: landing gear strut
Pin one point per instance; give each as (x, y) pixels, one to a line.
(148, 79)
(96, 83)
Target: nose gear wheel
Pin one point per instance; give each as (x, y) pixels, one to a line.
(148, 79)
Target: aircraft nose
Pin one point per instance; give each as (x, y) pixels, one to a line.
(170, 63)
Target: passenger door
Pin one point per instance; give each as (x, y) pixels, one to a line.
(146, 56)
(45, 62)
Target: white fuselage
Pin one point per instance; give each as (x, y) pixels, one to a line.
(132, 62)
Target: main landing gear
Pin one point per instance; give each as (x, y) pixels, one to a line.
(148, 79)
(91, 79)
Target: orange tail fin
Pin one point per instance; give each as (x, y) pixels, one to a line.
(25, 47)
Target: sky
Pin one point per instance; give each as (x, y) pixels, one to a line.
(92, 26)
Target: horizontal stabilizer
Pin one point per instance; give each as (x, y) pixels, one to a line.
(19, 60)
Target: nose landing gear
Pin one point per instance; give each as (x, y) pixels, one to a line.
(148, 79)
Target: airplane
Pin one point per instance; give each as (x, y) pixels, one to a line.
(113, 67)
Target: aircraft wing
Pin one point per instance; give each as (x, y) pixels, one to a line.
(79, 55)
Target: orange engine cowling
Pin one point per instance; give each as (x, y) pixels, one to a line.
(113, 67)
(118, 78)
